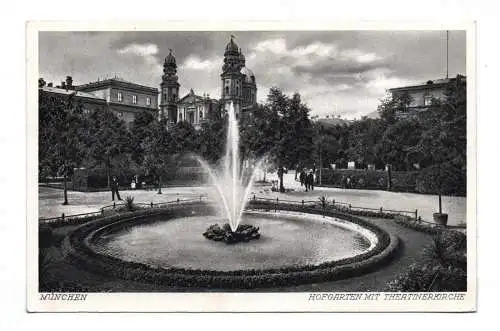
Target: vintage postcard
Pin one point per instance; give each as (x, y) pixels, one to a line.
(251, 167)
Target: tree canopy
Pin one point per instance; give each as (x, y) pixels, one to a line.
(280, 130)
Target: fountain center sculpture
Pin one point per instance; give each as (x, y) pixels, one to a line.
(232, 189)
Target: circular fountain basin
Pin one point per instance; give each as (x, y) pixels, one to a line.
(287, 239)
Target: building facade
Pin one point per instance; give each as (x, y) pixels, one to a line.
(86, 101)
(420, 97)
(238, 87)
(125, 99)
(169, 88)
(197, 109)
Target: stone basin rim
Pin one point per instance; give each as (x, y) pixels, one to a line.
(82, 250)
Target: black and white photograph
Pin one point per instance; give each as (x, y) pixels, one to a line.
(333, 167)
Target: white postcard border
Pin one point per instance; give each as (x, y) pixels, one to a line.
(240, 302)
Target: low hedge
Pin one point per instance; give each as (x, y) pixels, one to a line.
(80, 249)
(452, 177)
(267, 205)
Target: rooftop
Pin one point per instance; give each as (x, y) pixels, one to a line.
(68, 92)
(196, 97)
(429, 84)
(117, 81)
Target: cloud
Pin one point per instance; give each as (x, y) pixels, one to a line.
(147, 52)
(346, 72)
(317, 48)
(193, 62)
(276, 46)
(360, 56)
(139, 49)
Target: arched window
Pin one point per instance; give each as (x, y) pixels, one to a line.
(237, 90)
(227, 90)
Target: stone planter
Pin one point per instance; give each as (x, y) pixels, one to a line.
(440, 218)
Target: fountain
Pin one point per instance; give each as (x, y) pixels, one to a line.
(163, 245)
(232, 191)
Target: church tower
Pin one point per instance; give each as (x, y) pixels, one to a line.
(232, 82)
(169, 90)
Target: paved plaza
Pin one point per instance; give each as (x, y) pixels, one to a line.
(50, 200)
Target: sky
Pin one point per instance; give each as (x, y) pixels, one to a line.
(339, 73)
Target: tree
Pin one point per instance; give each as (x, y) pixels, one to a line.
(139, 130)
(362, 139)
(109, 141)
(299, 136)
(211, 139)
(395, 145)
(444, 137)
(155, 147)
(328, 144)
(62, 136)
(258, 135)
(183, 138)
(393, 104)
(278, 104)
(291, 131)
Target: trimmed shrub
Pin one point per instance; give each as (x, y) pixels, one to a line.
(431, 277)
(445, 269)
(453, 179)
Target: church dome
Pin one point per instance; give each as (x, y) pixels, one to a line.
(170, 59)
(231, 47)
(249, 76)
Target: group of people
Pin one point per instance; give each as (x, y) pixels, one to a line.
(134, 185)
(307, 180)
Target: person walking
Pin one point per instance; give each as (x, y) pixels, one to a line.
(302, 177)
(114, 189)
(310, 179)
(306, 181)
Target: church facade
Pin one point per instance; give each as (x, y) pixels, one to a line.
(238, 87)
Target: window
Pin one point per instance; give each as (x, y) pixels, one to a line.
(201, 115)
(427, 100)
(120, 114)
(227, 89)
(180, 116)
(148, 101)
(120, 97)
(134, 99)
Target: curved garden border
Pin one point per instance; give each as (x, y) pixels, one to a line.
(79, 245)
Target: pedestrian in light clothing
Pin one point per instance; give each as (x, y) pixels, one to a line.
(114, 188)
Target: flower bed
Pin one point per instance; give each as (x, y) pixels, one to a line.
(79, 246)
